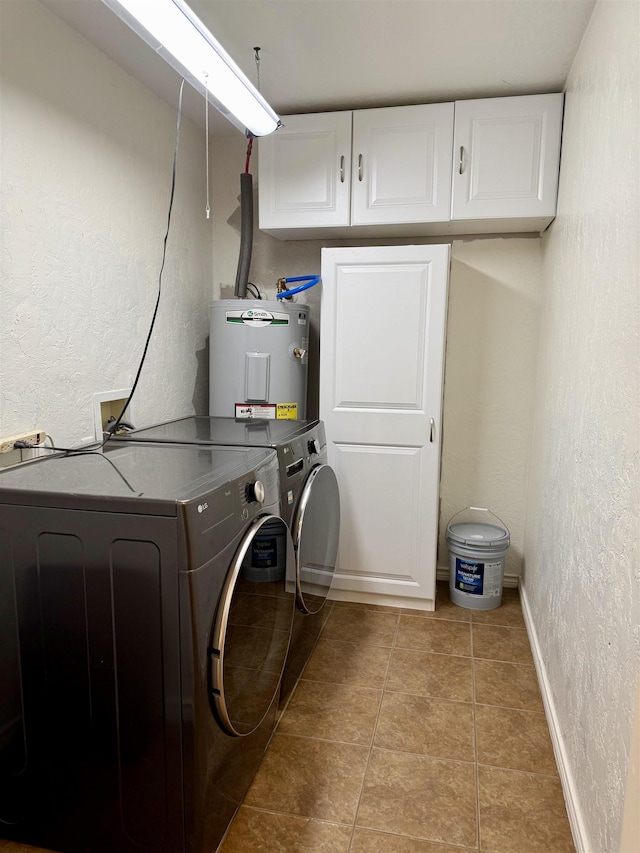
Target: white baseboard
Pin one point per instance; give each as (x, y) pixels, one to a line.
(576, 822)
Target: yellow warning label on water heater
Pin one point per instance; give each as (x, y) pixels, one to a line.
(287, 411)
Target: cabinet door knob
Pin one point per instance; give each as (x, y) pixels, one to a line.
(342, 169)
(359, 167)
(461, 169)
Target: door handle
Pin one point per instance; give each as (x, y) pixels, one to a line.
(360, 166)
(342, 169)
(461, 164)
(432, 430)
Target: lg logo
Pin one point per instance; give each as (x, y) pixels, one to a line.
(202, 507)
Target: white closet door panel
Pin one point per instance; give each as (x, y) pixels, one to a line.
(379, 500)
(368, 376)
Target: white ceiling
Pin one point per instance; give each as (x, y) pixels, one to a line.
(340, 54)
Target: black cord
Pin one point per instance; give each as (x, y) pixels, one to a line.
(79, 451)
(253, 289)
(155, 312)
(164, 257)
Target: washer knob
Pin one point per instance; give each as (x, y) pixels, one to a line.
(313, 446)
(254, 492)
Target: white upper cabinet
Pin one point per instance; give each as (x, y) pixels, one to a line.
(401, 169)
(480, 166)
(305, 169)
(507, 154)
(396, 169)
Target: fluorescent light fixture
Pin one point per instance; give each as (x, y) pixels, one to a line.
(175, 33)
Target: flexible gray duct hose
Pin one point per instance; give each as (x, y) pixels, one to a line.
(246, 234)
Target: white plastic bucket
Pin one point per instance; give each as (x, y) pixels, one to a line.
(477, 552)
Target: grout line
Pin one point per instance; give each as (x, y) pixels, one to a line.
(522, 772)
(431, 696)
(430, 652)
(449, 845)
(511, 708)
(438, 758)
(384, 689)
(475, 742)
(500, 660)
(438, 619)
(292, 814)
(323, 740)
(373, 735)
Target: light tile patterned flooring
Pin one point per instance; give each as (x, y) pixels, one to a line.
(410, 732)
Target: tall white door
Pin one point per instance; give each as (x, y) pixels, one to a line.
(381, 369)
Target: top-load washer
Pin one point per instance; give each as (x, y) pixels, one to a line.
(148, 671)
(309, 503)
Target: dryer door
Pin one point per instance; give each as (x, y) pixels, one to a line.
(316, 530)
(250, 637)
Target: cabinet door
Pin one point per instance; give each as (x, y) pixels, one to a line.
(401, 169)
(305, 172)
(381, 368)
(506, 157)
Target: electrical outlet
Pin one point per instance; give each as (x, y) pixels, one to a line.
(35, 438)
(108, 404)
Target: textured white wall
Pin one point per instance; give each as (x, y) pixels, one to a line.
(491, 347)
(630, 835)
(582, 561)
(86, 174)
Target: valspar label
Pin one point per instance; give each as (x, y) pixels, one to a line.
(257, 317)
(477, 578)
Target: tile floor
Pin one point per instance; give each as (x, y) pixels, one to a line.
(409, 733)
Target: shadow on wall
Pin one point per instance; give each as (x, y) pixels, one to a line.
(488, 399)
(273, 259)
(313, 374)
(200, 397)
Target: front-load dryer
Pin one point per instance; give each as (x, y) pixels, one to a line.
(309, 503)
(149, 672)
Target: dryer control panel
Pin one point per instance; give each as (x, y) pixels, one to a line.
(219, 515)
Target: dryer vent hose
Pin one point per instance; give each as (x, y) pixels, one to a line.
(246, 234)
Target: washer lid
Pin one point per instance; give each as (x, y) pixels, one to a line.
(130, 477)
(223, 431)
(476, 535)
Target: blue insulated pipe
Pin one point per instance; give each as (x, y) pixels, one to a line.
(311, 281)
